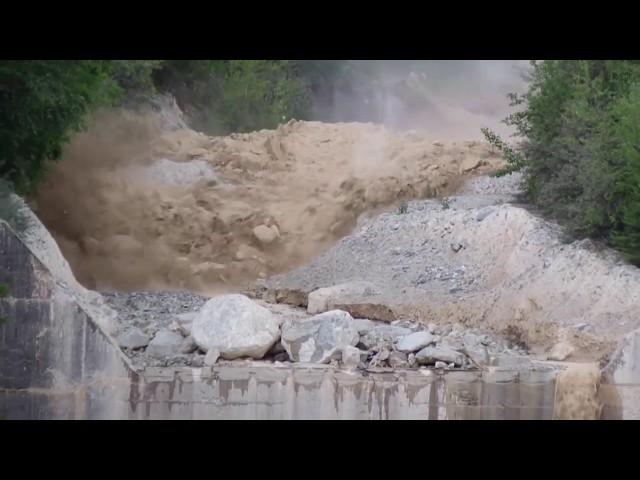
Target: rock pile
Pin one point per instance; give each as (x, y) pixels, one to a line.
(236, 328)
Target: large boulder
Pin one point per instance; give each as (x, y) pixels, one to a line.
(266, 235)
(236, 326)
(320, 337)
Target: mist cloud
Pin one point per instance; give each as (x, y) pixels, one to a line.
(447, 99)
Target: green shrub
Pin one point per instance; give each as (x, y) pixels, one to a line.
(626, 197)
(135, 75)
(224, 96)
(42, 102)
(580, 126)
(259, 94)
(514, 158)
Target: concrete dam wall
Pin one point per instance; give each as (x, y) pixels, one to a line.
(58, 362)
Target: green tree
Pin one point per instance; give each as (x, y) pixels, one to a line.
(259, 94)
(135, 75)
(41, 103)
(626, 197)
(223, 96)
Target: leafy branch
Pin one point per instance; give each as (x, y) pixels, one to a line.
(515, 160)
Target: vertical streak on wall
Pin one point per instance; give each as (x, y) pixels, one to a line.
(577, 393)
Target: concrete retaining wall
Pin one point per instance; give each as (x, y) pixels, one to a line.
(57, 363)
(265, 392)
(51, 352)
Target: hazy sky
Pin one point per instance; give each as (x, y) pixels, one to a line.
(446, 98)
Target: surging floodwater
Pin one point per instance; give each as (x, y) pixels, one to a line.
(180, 210)
(144, 202)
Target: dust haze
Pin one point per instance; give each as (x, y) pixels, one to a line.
(447, 99)
(141, 201)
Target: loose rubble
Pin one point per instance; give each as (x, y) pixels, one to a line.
(188, 345)
(320, 337)
(133, 338)
(212, 356)
(415, 341)
(350, 357)
(325, 299)
(443, 353)
(291, 335)
(398, 360)
(383, 335)
(165, 343)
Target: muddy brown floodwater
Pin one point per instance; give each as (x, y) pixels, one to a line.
(134, 205)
